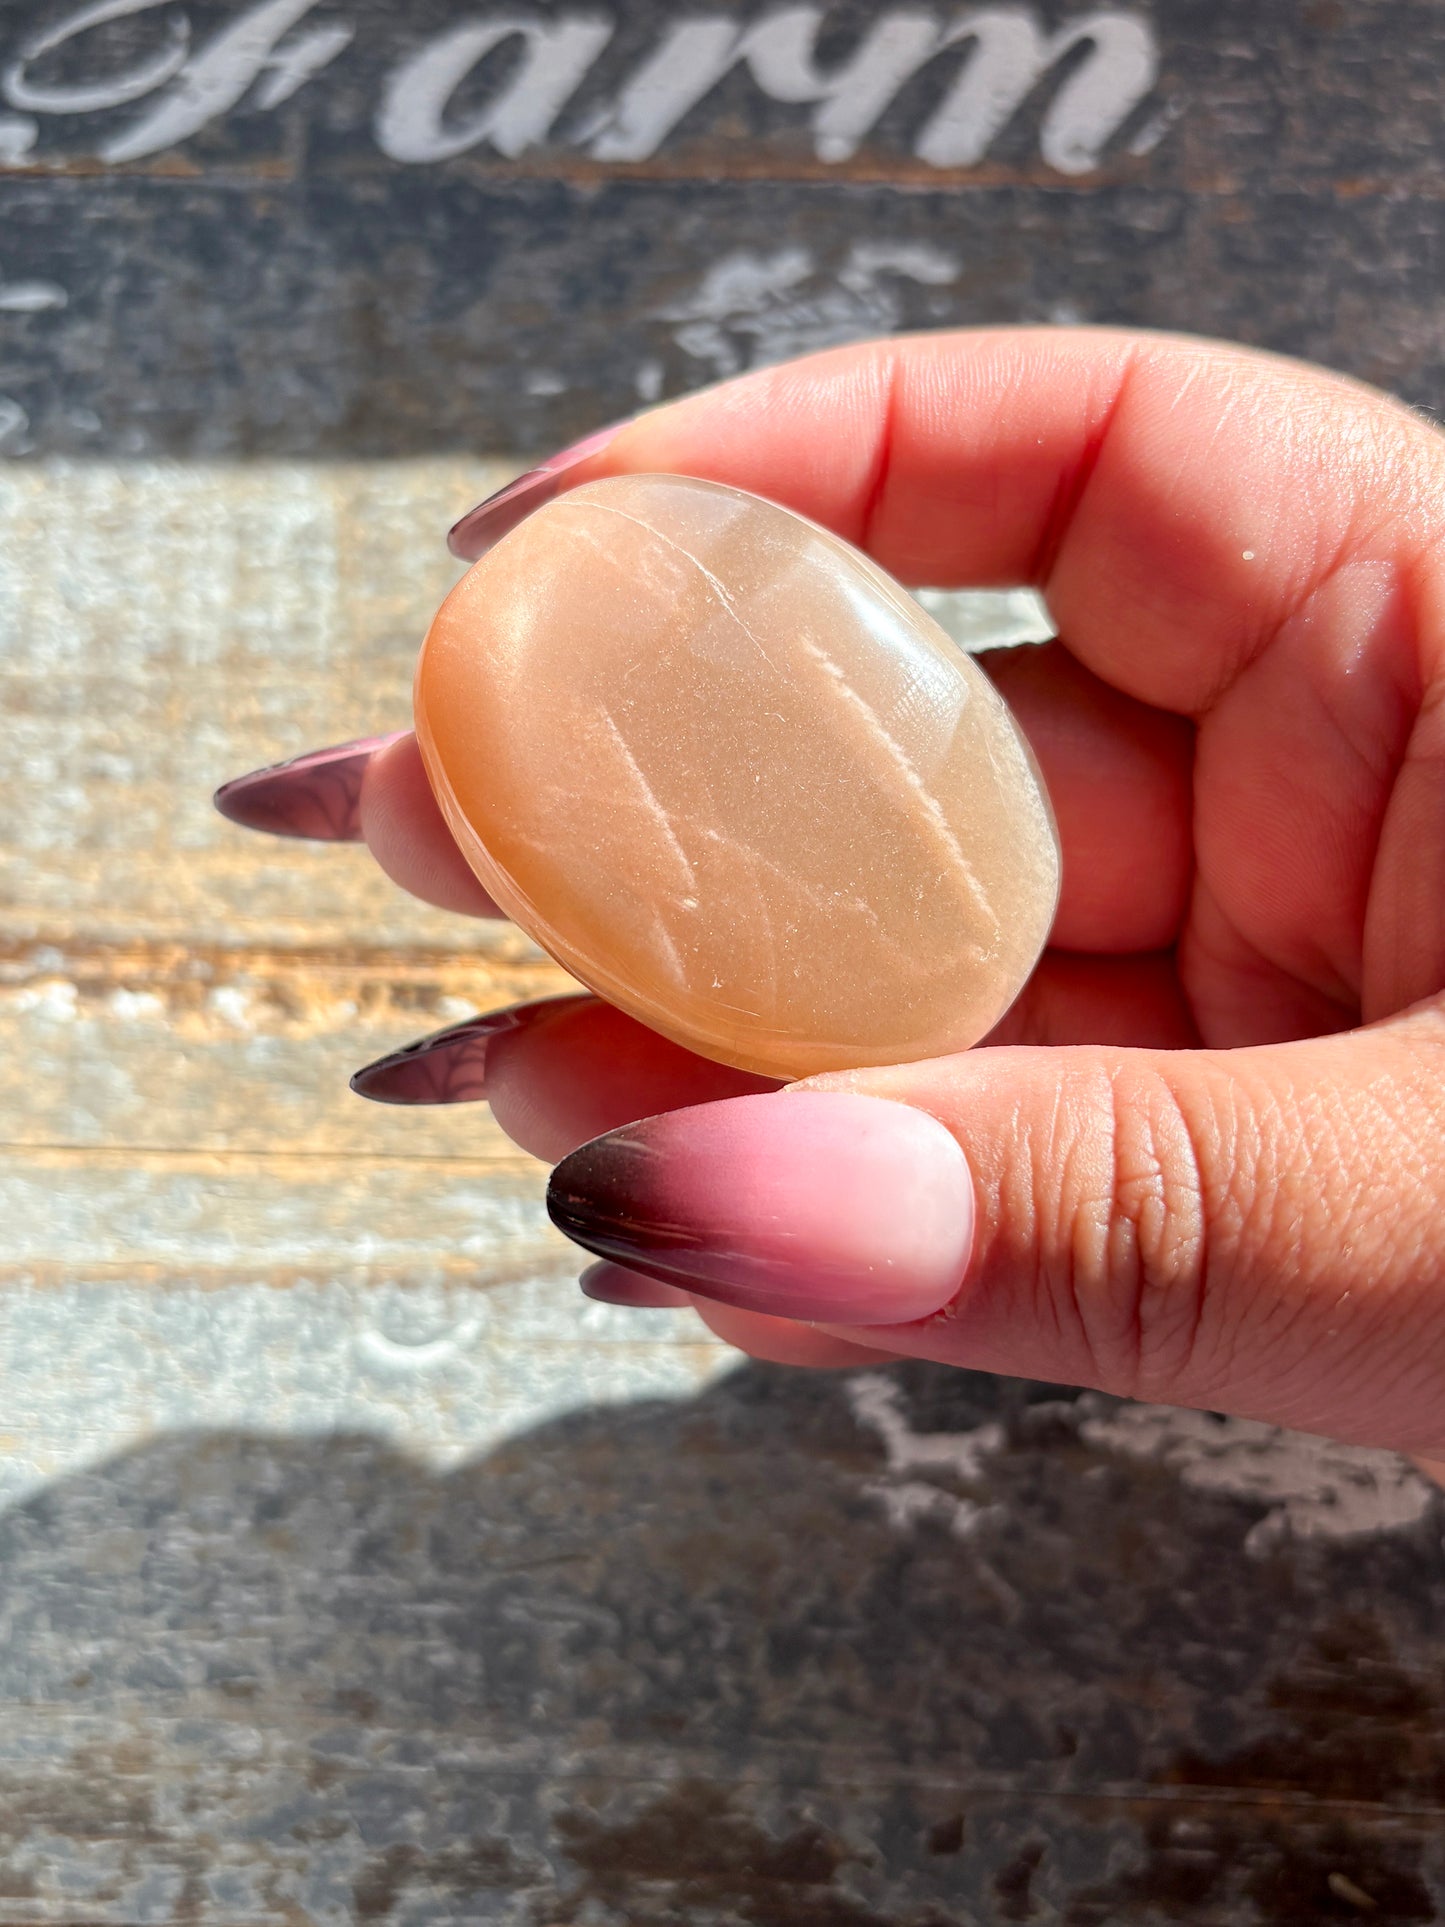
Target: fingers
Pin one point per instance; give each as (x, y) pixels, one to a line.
(408, 836)
(1119, 776)
(832, 1208)
(776, 1340)
(555, 1073)
(316, 796)
(1221, 534)
(779, 1341)
(1259, 1232)
(1177, 499)
(567, 1069)
(1074, 999)
(1225, 535)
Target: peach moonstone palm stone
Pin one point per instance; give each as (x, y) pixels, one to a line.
(732, 777)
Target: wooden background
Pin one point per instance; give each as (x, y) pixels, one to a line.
(1262, 169)
(350, 1568)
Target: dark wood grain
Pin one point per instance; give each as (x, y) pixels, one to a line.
(671, 1665)
(276, 281)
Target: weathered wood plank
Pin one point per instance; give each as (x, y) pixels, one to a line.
(908, 1650)
(467, 229)
(164, 628)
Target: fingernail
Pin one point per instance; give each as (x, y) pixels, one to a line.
(317, 795)
(818, 1205)
(449, 1066)
(611, 1285)
(489, 521)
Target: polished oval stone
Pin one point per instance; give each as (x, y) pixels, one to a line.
(732, 777)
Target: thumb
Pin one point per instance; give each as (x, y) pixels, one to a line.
(1256, 1231)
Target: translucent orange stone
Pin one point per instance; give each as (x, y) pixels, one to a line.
(733, 778)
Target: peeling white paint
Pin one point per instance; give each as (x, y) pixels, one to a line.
(54, 1000)
(384, 1354)
(31, 297)
(1313, 1488)
(18, 134)
(912, 1503)
(232, 1005)
(412, 124)
(752, 309)
(1155, 128)
(907, 1502)
(648, 380)
(14, 421)
(878, 1403)
(1010, 55)
(136, 1006)
(1007, 54)
(213, 81)
(107, 90)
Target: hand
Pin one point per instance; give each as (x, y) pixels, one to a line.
(1201, 1160)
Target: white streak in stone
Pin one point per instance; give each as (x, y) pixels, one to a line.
(928, 805)
(652, 803)
(718, 587)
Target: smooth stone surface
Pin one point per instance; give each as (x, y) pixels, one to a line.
(732, 777)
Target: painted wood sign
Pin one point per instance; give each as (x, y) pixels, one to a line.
(326, 226)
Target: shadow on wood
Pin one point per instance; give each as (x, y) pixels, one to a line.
(902, 1649)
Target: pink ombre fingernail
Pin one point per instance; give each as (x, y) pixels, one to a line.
(499, 514)
(317, 795)
(611, 1285)
(817, 1205)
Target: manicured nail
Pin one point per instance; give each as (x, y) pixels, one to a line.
(818, 1205)
(611, 1285)
(449, 1066)
(489, 521)
(317, 795)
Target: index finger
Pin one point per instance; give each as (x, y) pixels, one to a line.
(1174, 499)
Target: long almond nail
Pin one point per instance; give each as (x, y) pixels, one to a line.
(485, 525)
(611, 1285)
(317, 795)
(817, 1205)
(449, 1066)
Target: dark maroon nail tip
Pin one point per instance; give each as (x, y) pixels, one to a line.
(484, 526)
(603, 1196)
(316, 796)
(447, 1066)
(609, 1284)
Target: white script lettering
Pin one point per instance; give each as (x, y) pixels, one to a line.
(1008, 54)
(1103, 65)
(1008, 59)
(779, 53)
(411, 124)
(214, 80)
(116, 90)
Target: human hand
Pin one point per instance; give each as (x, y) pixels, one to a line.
(1198, 1162)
